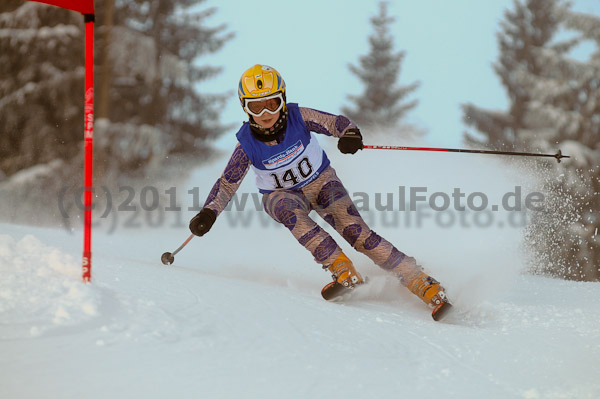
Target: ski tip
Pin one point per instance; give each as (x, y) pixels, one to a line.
(332, 291)
(335, 291)
(441, 311)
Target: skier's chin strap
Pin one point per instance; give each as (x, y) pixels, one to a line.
(271, 134)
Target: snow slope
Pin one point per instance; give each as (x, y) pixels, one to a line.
(239, 314)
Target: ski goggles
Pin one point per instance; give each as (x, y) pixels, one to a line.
(258, 106)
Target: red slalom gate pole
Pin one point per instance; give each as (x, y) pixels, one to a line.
(558, 155)
(88, 148)
(85, 7)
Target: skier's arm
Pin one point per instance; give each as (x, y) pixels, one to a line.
(350, 139)
(326, 123)
(222, 191)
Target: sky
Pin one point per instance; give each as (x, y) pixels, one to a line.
(450, 49)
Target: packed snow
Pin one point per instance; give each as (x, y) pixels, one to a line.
(239, 313)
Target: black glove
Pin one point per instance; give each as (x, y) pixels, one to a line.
(203, 221)
(350, 142)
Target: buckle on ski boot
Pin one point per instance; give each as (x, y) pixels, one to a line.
(350, 281)
(343, 272)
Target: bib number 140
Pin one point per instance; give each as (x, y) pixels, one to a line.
(293, 175)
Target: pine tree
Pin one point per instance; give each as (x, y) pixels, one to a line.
(567, 104)
(41, 84)
(150, 63)
(162, 72)
(153, 93)
(554, 103)
(382, 103)
(150, 113)
(531, 26)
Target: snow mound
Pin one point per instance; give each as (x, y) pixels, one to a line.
(40, 289)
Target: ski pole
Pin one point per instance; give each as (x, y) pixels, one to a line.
(168, 258)
(558, 155)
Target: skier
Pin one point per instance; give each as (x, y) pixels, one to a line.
(295, 176)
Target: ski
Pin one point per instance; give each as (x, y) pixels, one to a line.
(333, 290)
(336, 291)
(442, 310)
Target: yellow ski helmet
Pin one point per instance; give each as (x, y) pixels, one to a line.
(258, 82)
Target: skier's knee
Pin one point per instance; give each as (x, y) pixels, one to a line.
(284, 211)
(351, 234)
(363, 240)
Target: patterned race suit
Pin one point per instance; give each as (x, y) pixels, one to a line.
(313, 185)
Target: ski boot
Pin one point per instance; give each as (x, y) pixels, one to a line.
(344, 276)
(432, 293)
